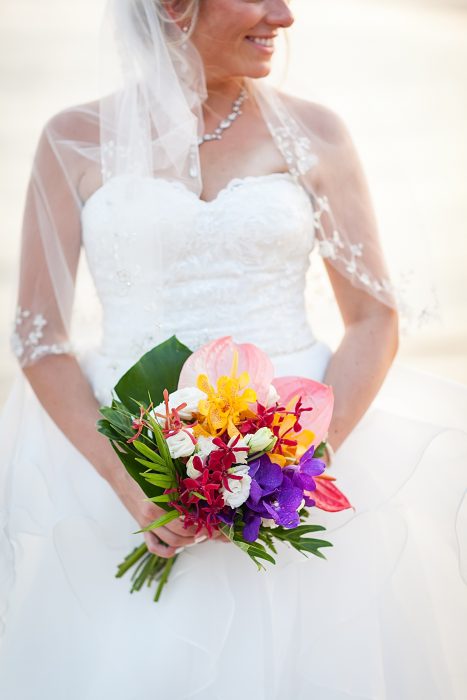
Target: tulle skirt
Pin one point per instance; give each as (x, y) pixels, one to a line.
(384, 617)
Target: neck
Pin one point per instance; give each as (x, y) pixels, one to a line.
(221, 94)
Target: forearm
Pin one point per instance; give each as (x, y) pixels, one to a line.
(357, 370)
(65, 393)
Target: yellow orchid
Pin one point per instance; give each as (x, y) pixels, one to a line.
(225, 406)
(289, 454)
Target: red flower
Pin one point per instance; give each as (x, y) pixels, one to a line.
(201, 499)
(139, 423)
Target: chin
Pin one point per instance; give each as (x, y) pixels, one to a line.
(259, 70)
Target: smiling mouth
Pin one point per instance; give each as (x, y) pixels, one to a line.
(266, 42)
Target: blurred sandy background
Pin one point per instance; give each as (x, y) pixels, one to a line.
(396, 70)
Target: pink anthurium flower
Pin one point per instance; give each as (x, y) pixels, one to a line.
(215, 359)
(319, 396)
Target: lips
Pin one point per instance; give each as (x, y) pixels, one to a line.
(262, 40)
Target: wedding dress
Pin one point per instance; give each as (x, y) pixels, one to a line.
(385, 617)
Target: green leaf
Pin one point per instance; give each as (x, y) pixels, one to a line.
(267, 539)
(155, 371)
(153, 466)
(105, 428)
(147, 452)
(254, 550)
(163, 520)
(118, 418)
(128, 460)
(310, 543)
(301, 530)
(161, 480)
(319, 451)
(161, 442)
(163, 498)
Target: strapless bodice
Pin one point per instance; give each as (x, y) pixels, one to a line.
(235, 265)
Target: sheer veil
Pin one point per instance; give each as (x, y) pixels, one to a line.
(147, 125)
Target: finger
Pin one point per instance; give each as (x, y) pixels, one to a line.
(222, 538)
(172, 539)
(198, 540)
(155, 546)
(178, 528)
(218, 535)
(189, 533)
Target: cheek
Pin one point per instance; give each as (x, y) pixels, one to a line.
(227, 23)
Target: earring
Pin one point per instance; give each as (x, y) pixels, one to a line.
(185, 30)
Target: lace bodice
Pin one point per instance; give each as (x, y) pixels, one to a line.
(235, 265)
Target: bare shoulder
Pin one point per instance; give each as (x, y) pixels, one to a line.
(328, 126)
(331, 141)
(78, 122)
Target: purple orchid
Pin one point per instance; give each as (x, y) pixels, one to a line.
(302, 475)
(277, 493)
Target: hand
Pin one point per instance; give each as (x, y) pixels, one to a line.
(165, 541)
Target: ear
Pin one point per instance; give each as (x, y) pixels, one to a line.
(175, 8)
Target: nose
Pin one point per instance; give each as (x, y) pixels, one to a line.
(280, 14)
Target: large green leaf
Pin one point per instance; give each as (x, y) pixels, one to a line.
(104, 427)
(118, 417)
(155, 371)
(134, 469)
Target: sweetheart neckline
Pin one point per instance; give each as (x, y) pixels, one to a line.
(235, 181)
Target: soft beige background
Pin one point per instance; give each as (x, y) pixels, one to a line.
(396, 70)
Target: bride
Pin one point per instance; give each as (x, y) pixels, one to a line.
(195, 194)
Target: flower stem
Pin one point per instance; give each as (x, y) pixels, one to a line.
(131, 559)
(148, 568)
(164, 577)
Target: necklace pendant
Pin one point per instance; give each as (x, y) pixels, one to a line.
(227, 122)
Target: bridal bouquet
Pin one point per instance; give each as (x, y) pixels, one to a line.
(215, 439)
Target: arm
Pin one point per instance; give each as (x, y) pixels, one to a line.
(51, 243)
(360, 363)
(370, 341)
(64, 392)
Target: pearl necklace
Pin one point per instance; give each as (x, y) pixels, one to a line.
(218, 133)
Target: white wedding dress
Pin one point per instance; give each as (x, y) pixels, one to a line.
(385, 617)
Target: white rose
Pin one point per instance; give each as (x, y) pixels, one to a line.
(191, 470)
(204, 446)
(262, 440)
(240, 490)
(190, 395)
(241, 455)
(180, 444)
(272, 396)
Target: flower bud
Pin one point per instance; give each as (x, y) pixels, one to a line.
(272, 396)
(262, 440)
